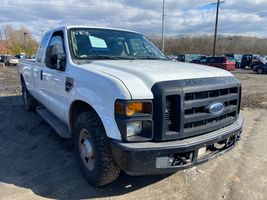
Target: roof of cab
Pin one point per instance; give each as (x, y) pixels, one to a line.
(84, 26)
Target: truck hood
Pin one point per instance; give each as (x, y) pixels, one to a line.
(140, 75)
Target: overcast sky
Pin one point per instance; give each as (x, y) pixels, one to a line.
(245, 17)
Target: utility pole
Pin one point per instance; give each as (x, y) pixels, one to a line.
(216, 25)
(162, 27)
(25, 42)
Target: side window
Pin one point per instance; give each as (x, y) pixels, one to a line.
(57, 41)
(55, 53)
(41, 49)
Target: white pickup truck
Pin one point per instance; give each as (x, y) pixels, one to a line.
(127, 106)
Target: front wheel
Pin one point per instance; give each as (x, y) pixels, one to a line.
(93, 150)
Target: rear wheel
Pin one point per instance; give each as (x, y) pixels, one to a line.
(29, 101)
(260, 71)
(93, 150)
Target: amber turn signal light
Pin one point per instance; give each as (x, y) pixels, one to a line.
(132, 108)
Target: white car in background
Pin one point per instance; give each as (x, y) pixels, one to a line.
(12, 61)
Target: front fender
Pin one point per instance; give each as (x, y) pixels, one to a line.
(101, 97)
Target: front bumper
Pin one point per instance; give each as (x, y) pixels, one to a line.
(149, 158)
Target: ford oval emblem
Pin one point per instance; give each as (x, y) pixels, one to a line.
(215, 108)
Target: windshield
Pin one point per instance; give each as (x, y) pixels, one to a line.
(88, 43)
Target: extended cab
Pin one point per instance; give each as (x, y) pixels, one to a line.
(127, 106)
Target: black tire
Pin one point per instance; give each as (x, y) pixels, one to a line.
(260, 71)
(29, 101)
(97, 163)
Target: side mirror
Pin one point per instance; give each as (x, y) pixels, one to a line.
(54, 59)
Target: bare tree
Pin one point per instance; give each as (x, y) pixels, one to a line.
(203, 45)
(14, 40)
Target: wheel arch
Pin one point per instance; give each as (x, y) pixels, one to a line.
(76, 108)
(21, 79)
(105, 115)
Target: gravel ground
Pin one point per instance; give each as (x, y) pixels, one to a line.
(35, 163)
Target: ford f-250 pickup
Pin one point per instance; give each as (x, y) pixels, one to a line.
(127, 106)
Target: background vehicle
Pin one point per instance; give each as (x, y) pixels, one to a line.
(250, 60)
(187, 57)
(260, 69)
(12, 61)
(127, 106)
(9, 60)
(220, 62)
(199, 59)
(21, 56)
(246, 61)
(181, 58)
(237, 58)
(4, 58)
(31, 58)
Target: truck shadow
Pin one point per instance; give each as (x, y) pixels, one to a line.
(32, 156)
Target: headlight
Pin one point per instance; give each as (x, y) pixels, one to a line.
(133, 128)
(134, 120)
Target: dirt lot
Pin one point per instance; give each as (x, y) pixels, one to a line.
(35, 163)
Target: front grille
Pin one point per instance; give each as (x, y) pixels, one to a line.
(180, 107)
(172, 113)
(209, 121)
(210, 94)
(196, 118)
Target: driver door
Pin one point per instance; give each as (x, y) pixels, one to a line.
(53, 77)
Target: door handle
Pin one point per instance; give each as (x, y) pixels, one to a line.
(41, 75)
(69, 84)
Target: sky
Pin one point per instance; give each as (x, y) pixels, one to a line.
(193, 17)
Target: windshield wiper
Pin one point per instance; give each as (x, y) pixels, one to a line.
(89, 57)
(149, 58)
(125, 57)
(106, 57)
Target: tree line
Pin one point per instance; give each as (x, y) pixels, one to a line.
(20, 40)
(204, 45)
(17, 40)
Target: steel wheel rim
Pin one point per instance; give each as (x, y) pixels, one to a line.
(260, 71)
(86, 149)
